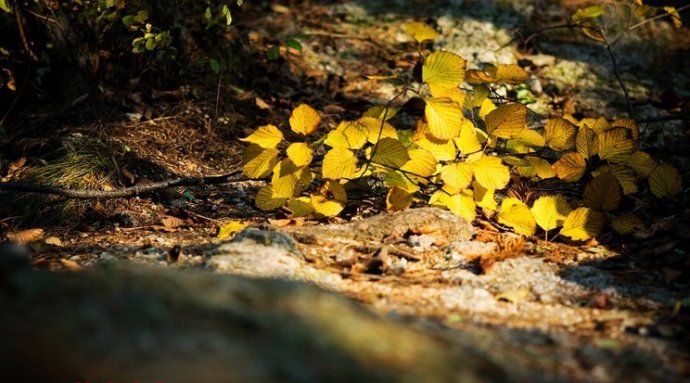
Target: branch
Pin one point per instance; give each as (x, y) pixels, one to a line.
(121, 193)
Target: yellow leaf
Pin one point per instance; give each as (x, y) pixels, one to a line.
(395, 178)
(398, 199)
(614, 144)
(456, 176)
(550, 211)
(531, 138)
(380, 78)
(266, 201)
(443, 69)
(381, 112)
(420, 31)
(258, 162)
(267, 136)
(454, 94)
(230, 228)
(630, 125)
(486, 107)
(560, 134)
(507, 121)
(376, 129)
(468, 142)
(675, 16)
(583, 223)
(627, 223)
(289, 180)
(514, 296)
(625, 176)
(665, 181)
(444, 118)
(462, 205)
(603, 192)
(536, 166)
(478, 76)
(517, 215)
(491, 173)
(479, 94)
(348, 134)
(422, 163)
(570, 167)
(484, 197)
(641, 162)
(339, 163)
(331, 200)
(599, 125)
(442, 150)
(300, 207)
(508, 73)
(586, 142)
(300, 153)
(304, 120)
(390, 152)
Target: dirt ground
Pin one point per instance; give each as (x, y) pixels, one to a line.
(611, 310)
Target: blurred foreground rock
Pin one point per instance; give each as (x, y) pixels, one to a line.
(131, 323)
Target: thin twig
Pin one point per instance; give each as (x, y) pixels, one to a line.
(616, 74)
(121, 193)
(22, 34)
(645, 21)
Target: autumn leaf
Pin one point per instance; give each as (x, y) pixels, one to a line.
(398, 199)
(491, 173)
(267, 136)
(230, 228)
(550, 211)
(339, 163)
(507, 121)
(444, 118)
(559, 134)
(304, 120)
(570, 167)
(603, 192)
(583, 223)
(390, 152)
(420, 31)
(443, 69)
(515, 214)
(258, 162)
(300, 153)
(665, 181)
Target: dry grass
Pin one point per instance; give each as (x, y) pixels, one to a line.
(81, 163)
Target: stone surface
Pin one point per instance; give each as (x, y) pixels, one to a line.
(132, 323)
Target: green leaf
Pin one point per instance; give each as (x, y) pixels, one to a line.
(273, 52)
(141, 16)
(127, 20)
(4, 6)
(294, 44)
(215, 65)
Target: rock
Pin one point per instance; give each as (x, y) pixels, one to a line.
(133, 323)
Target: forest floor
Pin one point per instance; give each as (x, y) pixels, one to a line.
(612, 309)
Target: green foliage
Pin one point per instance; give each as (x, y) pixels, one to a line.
(291, 42)
(465, 154)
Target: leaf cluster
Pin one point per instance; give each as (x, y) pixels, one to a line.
(467, 153)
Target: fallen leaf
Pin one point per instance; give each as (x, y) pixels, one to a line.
(513, 296)
(70, 264)
(55, 241)
(25, 236)
(230, 228)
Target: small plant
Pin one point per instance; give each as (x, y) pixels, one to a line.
(466, 153)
